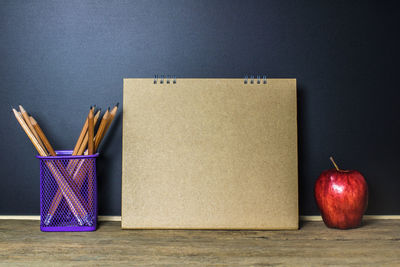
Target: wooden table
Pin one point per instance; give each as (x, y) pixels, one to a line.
(376, 243)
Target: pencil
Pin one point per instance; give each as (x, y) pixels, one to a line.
(78, 175)
(81, 145)
(30, 135)
(90, 133)
(110, 119)
(53, 153)
(42, 136)
(50, 149)
(66, 190)
(81, 136)
(73, 163)
(86, 138)
(28, 122)
(102, 127)
(113, 113)
(90, 141)
(91, 152)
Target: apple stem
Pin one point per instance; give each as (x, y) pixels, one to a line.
(334, 163)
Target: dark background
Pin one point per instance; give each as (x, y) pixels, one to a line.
(58, 58)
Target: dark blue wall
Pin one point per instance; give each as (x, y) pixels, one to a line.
(59, 57)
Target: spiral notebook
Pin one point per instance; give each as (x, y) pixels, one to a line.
(209, 154)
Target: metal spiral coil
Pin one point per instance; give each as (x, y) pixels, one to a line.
(167, 79)
(252, 79)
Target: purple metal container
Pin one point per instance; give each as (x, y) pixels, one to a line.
(68, 192)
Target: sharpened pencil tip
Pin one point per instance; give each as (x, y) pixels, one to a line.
(13, 109)
(33, 121)
(117, 104)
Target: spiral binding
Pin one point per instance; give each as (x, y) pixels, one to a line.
(255, 79)
(161, 79)
(252, 79)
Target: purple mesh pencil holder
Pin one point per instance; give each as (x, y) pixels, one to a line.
(68, 192)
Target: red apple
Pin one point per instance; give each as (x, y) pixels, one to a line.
(342, 197)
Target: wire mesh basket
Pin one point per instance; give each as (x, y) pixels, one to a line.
(68, 192)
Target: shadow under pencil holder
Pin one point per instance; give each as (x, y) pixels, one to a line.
(68, 192)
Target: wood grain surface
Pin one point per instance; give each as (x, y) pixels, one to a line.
(376, 243)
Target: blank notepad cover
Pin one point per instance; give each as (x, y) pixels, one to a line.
(209, 154)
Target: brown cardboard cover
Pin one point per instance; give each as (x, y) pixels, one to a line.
(209, 154)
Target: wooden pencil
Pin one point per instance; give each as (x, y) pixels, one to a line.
(49, 148)
(42, 136)
(86, 138)
(81, 136)
(72, 165)
(81, 145)
(113, 113)
(90, 161)
(109, 121)
(25, 116)
(89, 138)
(46, 142)
(90, 132)
(100, 131)
(76, 207)
(28, 132)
